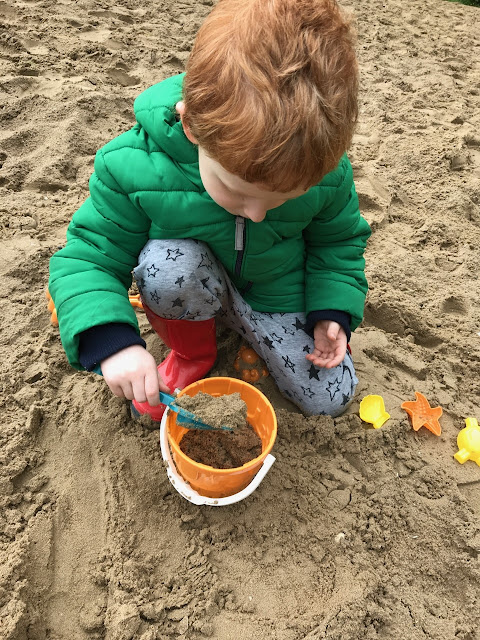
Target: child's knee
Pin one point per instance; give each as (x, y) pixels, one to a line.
(179, 278)
(328, 392)
(168, 263)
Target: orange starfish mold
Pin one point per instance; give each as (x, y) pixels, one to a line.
(423, 415)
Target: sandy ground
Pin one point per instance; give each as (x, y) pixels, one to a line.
(355, 533)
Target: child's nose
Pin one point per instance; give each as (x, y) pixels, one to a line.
(256, 212)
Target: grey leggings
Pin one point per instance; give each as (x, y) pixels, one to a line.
(182, 280)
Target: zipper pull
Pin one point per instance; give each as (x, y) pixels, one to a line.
(239, 230)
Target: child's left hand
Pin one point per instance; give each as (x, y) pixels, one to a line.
(330, 344)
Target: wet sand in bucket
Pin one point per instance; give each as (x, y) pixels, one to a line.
(221, 450)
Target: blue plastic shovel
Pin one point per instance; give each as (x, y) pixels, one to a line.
(186, 418)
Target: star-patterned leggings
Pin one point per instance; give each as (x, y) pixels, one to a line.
(182, 280)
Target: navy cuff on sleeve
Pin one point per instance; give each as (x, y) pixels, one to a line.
(342, 317)
(102, 341)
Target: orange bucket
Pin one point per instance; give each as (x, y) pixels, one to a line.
(219, 483)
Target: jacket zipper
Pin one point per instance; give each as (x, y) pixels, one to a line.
(240, 241)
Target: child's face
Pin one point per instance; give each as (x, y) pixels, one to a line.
(236, 196)
(230, 192)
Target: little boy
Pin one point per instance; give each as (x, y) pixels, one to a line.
(231, 199)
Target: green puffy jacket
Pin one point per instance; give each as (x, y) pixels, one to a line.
(306, 255)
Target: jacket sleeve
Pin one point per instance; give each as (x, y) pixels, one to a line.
(91, 275)
(335, 242)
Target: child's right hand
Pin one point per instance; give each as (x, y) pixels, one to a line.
(132, 373)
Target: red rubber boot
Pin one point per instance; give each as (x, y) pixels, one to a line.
(193, 352)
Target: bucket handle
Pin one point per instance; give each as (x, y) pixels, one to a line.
(185, 490)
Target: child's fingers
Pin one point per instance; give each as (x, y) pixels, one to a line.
(326, 359)
(332, 333)
(116, 389)
(150, 387)
(325, 353)
(317, 357)
(121, 389)
(319, 361)
(127, 390)
(138, 390)
(335, 362)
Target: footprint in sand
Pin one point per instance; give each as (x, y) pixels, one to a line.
(448, 264)
(122, 77)
(391, 319)
(374, 197)
(455, 305)
(35, 47)
(177, 61)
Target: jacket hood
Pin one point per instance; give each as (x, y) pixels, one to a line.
(155, 112)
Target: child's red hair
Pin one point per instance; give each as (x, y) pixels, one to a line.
(271, 89)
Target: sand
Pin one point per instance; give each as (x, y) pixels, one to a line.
(355, 533)
(222, 450)
(228, 410)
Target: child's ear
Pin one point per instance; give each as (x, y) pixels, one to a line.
(180, 107)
